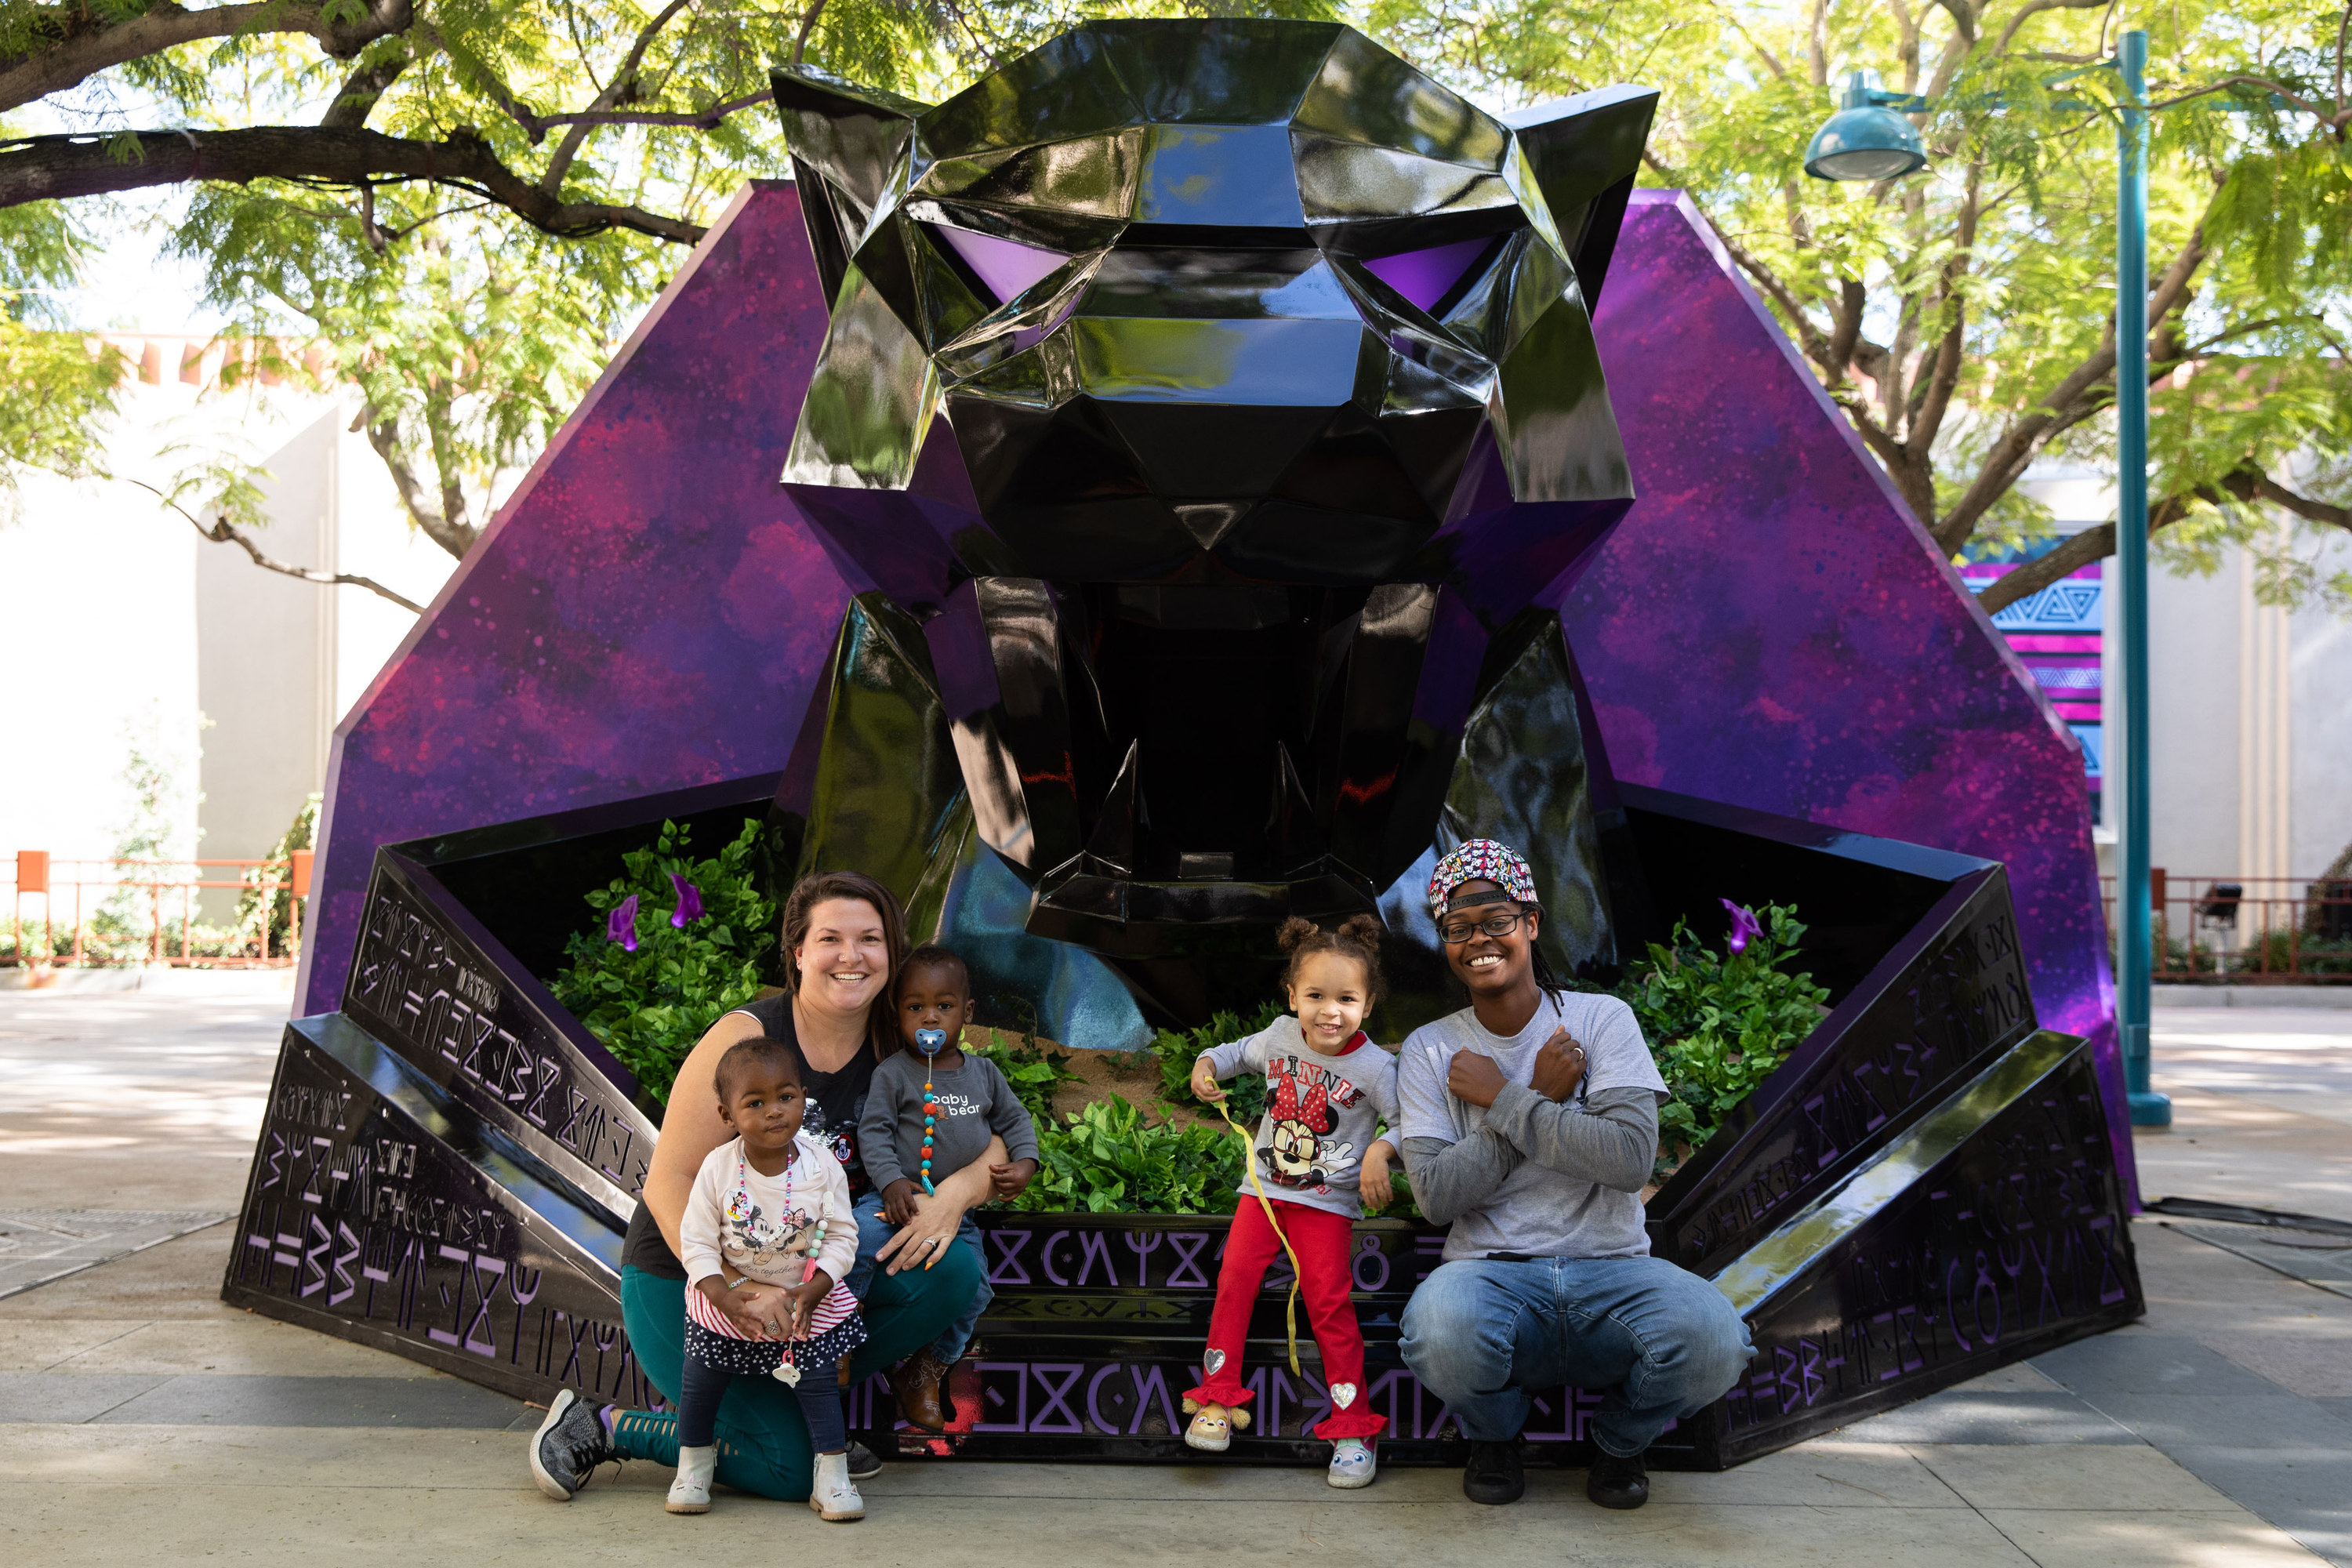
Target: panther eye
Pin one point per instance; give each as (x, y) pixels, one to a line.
(1006, 266)
(1426, 276)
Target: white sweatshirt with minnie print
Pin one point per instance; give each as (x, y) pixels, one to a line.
(1321, 1113)
(739, 1223)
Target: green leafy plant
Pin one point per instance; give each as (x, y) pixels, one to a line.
(1176, 1050)
(1719, 1023)
(1035, 1072)
(647, 985)
(1114, 1157)
(270, 883)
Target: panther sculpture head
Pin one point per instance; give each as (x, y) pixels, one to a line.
(1169, 301)
(1210, 401)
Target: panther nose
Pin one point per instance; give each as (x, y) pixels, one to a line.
(1260, 363)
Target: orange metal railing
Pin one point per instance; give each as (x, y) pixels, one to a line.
(2247, 930)
(78, 913)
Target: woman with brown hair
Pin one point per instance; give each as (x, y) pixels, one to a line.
(844, 942)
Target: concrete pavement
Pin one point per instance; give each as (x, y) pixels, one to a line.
(138, 1415)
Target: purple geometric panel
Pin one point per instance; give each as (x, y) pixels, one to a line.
(1767, 627)
(649, 611)
(1006, 266)
(1424, 276)
(1770, 626)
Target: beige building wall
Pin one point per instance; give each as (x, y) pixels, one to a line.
(140, 626)
(2251, 727)
(2251, 708)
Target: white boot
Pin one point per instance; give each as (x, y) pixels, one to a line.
(690, 1493)
(835, 1495)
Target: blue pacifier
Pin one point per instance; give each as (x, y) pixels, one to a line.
(931, 1042)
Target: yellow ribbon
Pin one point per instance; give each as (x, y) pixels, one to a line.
(1249, 1165)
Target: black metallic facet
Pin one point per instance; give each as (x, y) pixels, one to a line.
(383, 1210)
(1259, 358)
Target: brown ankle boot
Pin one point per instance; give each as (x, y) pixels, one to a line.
(920, 1382)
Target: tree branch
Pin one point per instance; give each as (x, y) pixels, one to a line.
(2334, 123)
(2245, 486)
(47, 168)
(224, 531)
(1847, 326)
(2065, 404)
(1938, 387)
(2343, 35)
(472, 70)
(68, 45)
(2067, 558)
(701, 120)
(2033, 7)
(808, 26)
(560, 163)
(455, 537)
(356, 99)
(2303, 506)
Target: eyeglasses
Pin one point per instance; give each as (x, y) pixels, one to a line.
(1497, 924)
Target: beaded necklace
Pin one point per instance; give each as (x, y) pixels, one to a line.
(931, 1042)
(744, 1210)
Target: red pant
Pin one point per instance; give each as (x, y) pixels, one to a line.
(1326, 1275)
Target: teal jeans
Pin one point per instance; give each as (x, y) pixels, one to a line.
(764, 1444)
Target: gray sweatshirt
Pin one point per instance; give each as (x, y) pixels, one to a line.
(974, 1100)
(1321, 1113)
(1529, 1176)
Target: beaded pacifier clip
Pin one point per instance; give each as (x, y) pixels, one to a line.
(931, 1042)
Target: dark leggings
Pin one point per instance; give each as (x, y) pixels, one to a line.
(705, 1385)
(763, 1439)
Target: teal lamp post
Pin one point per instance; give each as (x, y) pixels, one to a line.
(1868, 139)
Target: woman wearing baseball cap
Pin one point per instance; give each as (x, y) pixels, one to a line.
(1530, 1120)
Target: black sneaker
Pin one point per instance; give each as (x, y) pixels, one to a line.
(1618, 1483)
(569, 1445)
(865, 1464)
(1493, 1475)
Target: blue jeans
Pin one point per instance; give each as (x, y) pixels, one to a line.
(873, 1232)
(1482, 1334)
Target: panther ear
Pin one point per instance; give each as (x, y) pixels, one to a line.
(846, 142)
(1585, 152)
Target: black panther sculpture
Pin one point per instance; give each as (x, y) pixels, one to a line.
(1206, 401)
(1207, 405)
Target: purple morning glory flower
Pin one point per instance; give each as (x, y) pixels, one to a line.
(621, 925)
(1745, 927)
(690, 901)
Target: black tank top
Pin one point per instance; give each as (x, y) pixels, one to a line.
(835, 1100)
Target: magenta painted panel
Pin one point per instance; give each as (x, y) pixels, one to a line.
(1767, 627)
(647, 613)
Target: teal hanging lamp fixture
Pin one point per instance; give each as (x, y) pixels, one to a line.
(1866, 139)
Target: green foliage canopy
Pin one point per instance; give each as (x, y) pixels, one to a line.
(466, 203)
(1964, 317)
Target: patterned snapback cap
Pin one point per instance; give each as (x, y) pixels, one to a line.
(1481, 858)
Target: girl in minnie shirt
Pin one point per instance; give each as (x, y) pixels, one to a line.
(1321, 1165)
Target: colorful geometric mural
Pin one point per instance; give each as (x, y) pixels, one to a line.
(2057, 632)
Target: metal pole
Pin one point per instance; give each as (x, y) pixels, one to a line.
(2135, 939)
